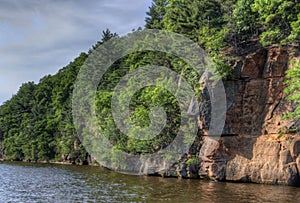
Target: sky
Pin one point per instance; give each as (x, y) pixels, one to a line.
(39, 37)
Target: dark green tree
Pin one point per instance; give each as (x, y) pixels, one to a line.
(188, 17)
(156, 14)
(106, 35)
(246, 20)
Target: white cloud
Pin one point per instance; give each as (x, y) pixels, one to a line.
(38, 37)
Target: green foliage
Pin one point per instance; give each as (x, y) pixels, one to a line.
(293, 89)
(140, 105)
(213, 39)
(36, 123)
(246, 21)
(295, 34)
(188, 17)
(156, 14)
(279, 20)
(192, 160)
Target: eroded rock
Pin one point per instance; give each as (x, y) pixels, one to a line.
(257, 144)
(253, 159)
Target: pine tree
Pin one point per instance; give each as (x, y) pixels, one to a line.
(106, 35)
(156, 14)
(187, 17)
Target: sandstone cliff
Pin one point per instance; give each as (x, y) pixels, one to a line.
(257, 145)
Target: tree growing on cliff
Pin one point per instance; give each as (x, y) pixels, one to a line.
(293, 89)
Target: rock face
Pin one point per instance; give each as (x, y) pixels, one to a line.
(257, 145)
(258, 100)
(260, 159)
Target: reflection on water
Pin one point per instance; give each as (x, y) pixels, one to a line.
(22, 182)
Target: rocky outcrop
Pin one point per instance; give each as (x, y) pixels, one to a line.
(258, 100)
(262, 159)
(257, 144)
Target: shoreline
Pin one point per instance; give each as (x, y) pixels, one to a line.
(98, 165)
(49, 162)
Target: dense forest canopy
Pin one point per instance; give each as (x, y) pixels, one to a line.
(36, 123)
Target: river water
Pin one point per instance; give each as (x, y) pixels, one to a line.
(24, 182)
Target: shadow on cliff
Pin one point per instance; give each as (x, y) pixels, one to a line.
(256, 100)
